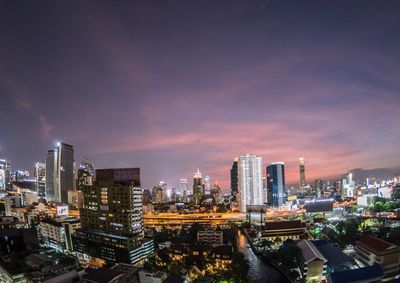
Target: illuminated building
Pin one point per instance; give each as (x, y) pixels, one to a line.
(198, 187)
(85, 173)
(56, 233)
(234, 177)
(39, 174)
(318, 187)
(112, 218)
(250, 183)
(158, 195)
(207, 185)
(302, 174)
(183, 185)
(276, 184)
(371, 250)
(348, 187)
(5, 176)
(59, 172)
(216, 193)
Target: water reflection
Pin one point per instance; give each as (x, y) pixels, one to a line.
(259, 271)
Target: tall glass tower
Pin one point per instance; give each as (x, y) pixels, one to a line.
(276, 184)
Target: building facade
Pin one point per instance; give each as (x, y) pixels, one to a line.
(5, 175)
(276, 184)
(250, 183)
(60, 172)
(112, 218)
(39, 174)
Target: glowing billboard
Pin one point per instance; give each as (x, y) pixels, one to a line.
(62, 210)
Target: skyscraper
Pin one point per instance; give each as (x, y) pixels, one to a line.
(112, 218)
(158, 195)
(302, 174)
(183, 186)
(39, 174)
(234, 177)
(276, 184)
(207, 185)
(60, 172)
(5, 175)
(250, 182)
(198, 188)
(85, 173)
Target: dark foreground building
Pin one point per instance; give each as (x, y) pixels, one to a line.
(112, 218)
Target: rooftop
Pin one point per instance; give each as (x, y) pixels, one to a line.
(336, 258)
(310, 251)
(282, 225)
(101, 275)
(358, 275)
(377, 245)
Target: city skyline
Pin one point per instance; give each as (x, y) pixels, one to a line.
(171, 89)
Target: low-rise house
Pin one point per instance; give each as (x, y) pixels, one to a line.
(312, 263)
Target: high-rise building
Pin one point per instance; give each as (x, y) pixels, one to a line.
(5, 175)
(158, 195)
(250, 183)
(276, 184)
(234, 177)
(183, 186)
(60, 172)
(318, 187)
(207, 185)
(198, 186)
(348, 186)
(85, 173)
(216, 193)
(39, 174)
(112, 218)
(302, 174)
(146, 196)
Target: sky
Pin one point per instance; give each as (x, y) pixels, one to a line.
(172, 86)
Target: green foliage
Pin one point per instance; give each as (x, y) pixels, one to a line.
(221, 208)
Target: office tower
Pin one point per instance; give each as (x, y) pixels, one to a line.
(302, 175)
(173, 194)
(85, 173)
(158, 195)
(234, 177)
(348, 187)
(166, 193)
(146, 198)
(207, 185)
(50, 176)
(276, 184)
(60, 172)
(39, 174)
(250, 182)
(183, 186)
(318, 187)
(216, 193)
(5, 175)
(112, 218)
(198, 187)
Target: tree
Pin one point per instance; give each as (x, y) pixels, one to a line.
(239, 267)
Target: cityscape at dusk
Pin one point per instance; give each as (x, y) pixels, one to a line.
(199, 141)
(174, 86)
